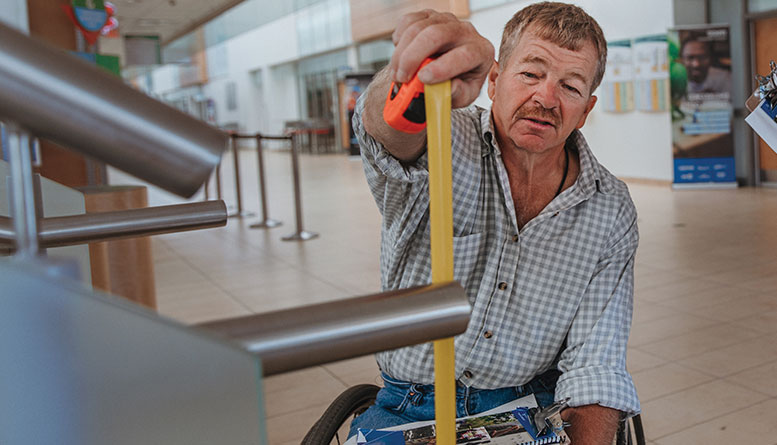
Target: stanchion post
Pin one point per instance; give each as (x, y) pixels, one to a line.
(266, 222)
(206, 187)
(238, 192)
(300, 234)
(218, 183)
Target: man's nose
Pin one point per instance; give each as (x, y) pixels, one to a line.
(546, 94)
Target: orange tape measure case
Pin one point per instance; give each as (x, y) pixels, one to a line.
(404, 109)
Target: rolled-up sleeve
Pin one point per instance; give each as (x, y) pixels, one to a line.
(593, 365)
(395, 185)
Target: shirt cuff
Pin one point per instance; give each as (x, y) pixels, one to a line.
(599, 385)
(376, 155)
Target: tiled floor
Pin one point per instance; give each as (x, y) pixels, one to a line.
(702, 352)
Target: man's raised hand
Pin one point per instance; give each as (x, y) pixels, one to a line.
(463, 55)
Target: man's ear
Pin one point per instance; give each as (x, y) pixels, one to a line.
(588, 108)
(493, 73)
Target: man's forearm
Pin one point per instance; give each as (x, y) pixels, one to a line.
(591, 424)
(403, 146)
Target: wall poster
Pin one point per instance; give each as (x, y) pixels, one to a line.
(617, 90)
(700, 78)
(651, 73)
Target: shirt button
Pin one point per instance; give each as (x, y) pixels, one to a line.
(488, 334)
(515, 238)
(467, 374)
(502, 285)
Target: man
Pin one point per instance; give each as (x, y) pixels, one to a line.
(544, 236)
(702, 76)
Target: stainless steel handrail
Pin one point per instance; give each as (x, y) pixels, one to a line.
(311, 335)
(91, 227)
(59, 97)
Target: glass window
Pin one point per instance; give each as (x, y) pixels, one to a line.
(323, 26)
(761, 5)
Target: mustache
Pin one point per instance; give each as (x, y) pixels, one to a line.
(538, 113)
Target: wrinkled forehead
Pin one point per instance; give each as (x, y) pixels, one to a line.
(535, 49)
(569, 41)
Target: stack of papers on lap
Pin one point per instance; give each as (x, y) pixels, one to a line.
(506, 424)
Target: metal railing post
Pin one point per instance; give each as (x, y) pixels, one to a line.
(266, 222)
(238, 192)
(22, 193)
(300, 234)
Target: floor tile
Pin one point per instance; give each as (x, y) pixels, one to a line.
(323, 390)
(356, 371)
(291, 427)
(762, 379)
(638, 360)
(763, 321)
(715, 336)
(665, 380)
(667, 327)
(754, 424)
(676, 412)
(735, 358)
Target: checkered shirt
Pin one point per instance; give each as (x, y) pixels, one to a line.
(568, 273)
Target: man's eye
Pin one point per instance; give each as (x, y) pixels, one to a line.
(572, 89)
(529, 75)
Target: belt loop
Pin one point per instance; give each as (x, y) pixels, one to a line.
(415, 395)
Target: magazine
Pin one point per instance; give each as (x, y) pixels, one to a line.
(505, 428)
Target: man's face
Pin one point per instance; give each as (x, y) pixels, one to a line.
(541, 94)
(696, 58)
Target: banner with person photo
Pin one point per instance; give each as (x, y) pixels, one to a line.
(700, 83)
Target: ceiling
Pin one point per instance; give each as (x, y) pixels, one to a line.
(170, 19)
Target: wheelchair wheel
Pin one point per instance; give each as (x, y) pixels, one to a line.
(333, 426)
(630, 432)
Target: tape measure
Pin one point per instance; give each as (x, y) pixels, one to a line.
(404, 109)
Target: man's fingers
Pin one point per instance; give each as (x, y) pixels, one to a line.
(469, 62)
(405, 21)
(429, 40)
(419, 36)
(463, 55)
(466, 66)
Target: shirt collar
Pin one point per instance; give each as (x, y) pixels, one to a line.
(487, 133)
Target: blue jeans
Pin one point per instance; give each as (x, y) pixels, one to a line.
(401, 402)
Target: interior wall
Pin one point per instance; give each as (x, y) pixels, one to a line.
(635, 144)
(268, 51)
(14, 13)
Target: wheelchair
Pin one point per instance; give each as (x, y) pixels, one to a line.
(333, 426)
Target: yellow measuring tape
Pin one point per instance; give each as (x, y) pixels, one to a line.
(438, 132)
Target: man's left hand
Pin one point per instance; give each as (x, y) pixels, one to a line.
(591, 424)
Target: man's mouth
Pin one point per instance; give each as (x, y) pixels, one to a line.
(539, 121)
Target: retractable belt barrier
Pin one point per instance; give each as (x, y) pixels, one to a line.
(300, 233)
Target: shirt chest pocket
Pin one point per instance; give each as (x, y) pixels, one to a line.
(466, 255)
